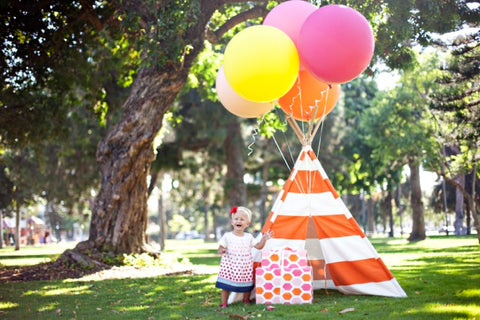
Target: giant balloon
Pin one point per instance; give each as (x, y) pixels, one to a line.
(236, 104)
(336, 43)
(289, 17)
(308, 97)
(261, 63)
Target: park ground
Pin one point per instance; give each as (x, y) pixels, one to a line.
(440, 276)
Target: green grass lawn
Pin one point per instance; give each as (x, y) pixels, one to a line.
(440, 275)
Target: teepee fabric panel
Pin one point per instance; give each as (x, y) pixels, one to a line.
(308, 213)
(290, 227)
(335, 226)
(346, 248)
(388, 289)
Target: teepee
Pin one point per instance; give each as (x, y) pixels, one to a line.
(308, 213)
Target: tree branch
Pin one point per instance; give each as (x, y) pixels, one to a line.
(256, 12)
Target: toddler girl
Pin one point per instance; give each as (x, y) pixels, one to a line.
(236, 265)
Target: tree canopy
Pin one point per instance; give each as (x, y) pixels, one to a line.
(126, 62)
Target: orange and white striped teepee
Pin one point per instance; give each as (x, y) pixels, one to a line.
(308, 213)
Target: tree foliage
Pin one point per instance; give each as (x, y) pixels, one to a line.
(58, 56)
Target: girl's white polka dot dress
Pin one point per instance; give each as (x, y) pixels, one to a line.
(236, 266)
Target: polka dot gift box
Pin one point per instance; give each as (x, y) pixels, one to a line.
(289, 282)
(284, 257)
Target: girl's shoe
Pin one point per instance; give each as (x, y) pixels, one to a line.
(223, 305)
(247, 301)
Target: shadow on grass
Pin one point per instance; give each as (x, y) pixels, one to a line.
(440, 283)
(30, 256)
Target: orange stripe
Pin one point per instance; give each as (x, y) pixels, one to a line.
(336, 225)
(360, 271)
(312, 154)
(331, 188)
(289, 227)
(356, 227)
(309, 182)
(302, 156)
(268, 223)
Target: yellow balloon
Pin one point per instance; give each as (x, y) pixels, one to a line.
(261, 63)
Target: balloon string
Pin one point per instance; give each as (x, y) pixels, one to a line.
(254, 134)
(322, 122)
(285, 138)
(281, 153)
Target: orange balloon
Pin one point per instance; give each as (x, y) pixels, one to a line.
(308, 93)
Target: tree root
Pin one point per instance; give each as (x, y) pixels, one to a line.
(87, 255)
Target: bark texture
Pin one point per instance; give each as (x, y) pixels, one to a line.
(418, 209)
(119, 217)
(459, 211)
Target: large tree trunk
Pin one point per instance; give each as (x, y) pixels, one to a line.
(418, 210)
(119, 218)
(119, 215)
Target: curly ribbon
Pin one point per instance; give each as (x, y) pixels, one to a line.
(254, 134)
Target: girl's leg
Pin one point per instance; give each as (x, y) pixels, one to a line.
(224, 298)
(246, 297)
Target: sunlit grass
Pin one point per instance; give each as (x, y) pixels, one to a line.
(470, 293)
(67, 291)
(440, 276)
(8, 305)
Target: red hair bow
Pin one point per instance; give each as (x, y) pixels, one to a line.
(233, 210)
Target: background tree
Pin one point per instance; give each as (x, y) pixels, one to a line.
(456, 106)
(400, 132)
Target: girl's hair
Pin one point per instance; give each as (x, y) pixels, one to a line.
(244, 210)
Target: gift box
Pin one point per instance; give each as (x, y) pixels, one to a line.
(283, 285)
(284, 258)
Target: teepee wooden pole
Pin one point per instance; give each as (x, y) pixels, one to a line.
(309, 136)
(319, 122)
(295, 127)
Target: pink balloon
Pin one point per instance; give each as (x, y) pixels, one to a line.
(289, 17)
(336, 43)
(236, 104)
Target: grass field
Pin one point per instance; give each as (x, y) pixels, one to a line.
(440, 275)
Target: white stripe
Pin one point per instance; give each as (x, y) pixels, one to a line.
(312, 204)
(389, 288)
(349, 248)
(305, 165)
(319, 167)
(314, 250)
(320, 284)
(278, 203)
(343, 208)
